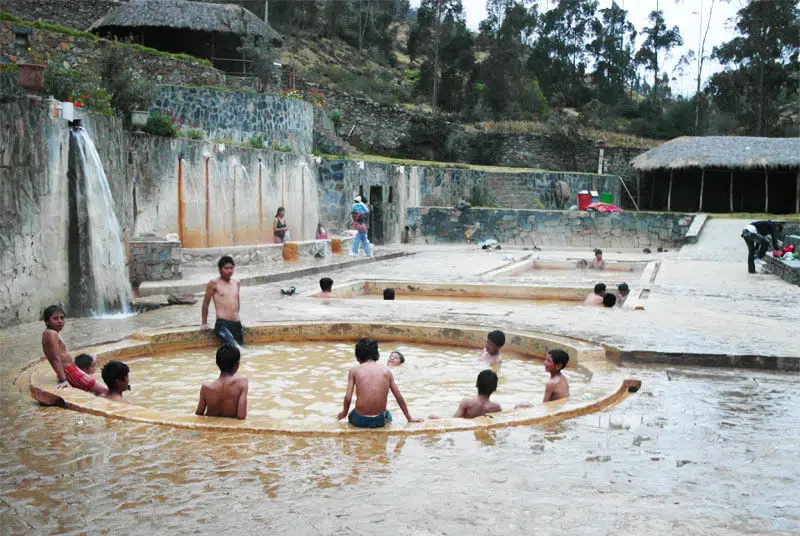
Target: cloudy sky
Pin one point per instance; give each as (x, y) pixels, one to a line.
(681, 13)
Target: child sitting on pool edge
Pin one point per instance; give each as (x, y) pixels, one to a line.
(227, 395)
(491, 351)
(557, 387)
(372, 383)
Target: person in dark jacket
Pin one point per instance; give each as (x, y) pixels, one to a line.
(755, 236)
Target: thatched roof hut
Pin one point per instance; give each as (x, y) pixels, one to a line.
(734, 152)
(729, 173)
(204, 30)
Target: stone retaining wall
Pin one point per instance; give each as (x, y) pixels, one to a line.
(280, 122)
(530, 228)
(242, 255)
(153, 259)
(82, 54)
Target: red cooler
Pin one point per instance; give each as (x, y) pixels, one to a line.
(584, 199)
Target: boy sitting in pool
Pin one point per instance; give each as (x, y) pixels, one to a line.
(491, 352)
(326, 285)
(372, 382)
(469, 408)
(557, 387)
(598, 263)
(67, 372)
(395, 359)
(596, 297)
(227, 395)
(115, 374)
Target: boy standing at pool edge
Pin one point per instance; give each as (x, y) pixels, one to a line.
(225, 293)
(372, 383)
(227, 395)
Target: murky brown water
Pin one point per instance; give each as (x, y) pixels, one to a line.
(305, 382)
(696, 451)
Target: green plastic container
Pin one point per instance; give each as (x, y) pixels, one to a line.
(605, 197)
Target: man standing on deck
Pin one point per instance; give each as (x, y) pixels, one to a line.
(225, 293)
(754, 236)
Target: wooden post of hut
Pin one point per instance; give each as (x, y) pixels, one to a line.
(797, 195)
(702, 186)
(669, 192)
(731, 195)
(766, 190)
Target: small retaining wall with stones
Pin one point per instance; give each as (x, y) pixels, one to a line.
(282, 123)
(154, 259)
(549, 228)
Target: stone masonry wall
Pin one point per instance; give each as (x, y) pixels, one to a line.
(528, 228)
(238, 115)
(78, 14)
(152, 259)
(79, 53)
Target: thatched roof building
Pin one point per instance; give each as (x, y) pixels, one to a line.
(204, 30)
(722, 174)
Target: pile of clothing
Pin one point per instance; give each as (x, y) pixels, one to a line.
(603, 207)
(788, 253)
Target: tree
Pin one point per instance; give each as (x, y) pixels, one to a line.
(658, 38)
(438, 23)
(511, 87)
(613, 51)
(765, 59)
(559, 55)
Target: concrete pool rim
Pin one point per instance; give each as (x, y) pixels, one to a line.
(606, 387)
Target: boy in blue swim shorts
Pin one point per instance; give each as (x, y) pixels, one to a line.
(372, 382)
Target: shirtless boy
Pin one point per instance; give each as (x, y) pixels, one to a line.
(598, 263)
(227, 395)
(67, 372)
(326, 286)
(372, 382)
(491, 352)
(225, 293)
(480, 405)
(115, 374)
(557, 386)
(596, 297)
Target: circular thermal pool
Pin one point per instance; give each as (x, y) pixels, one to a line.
(306, 381)
(298, 374)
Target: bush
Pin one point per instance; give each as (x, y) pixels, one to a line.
(161, 125)
(317, 98)
(336, 118)
(195, 134)
(80, 88)
(281, 148)
(120, 76)
(257, 142)
(258, 51)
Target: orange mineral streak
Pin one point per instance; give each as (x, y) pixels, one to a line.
(181, 208)
(260, 206)
(208, 211)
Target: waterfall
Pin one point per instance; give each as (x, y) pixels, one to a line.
(99, 281)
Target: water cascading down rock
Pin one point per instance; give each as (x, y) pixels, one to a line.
(98, 281)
